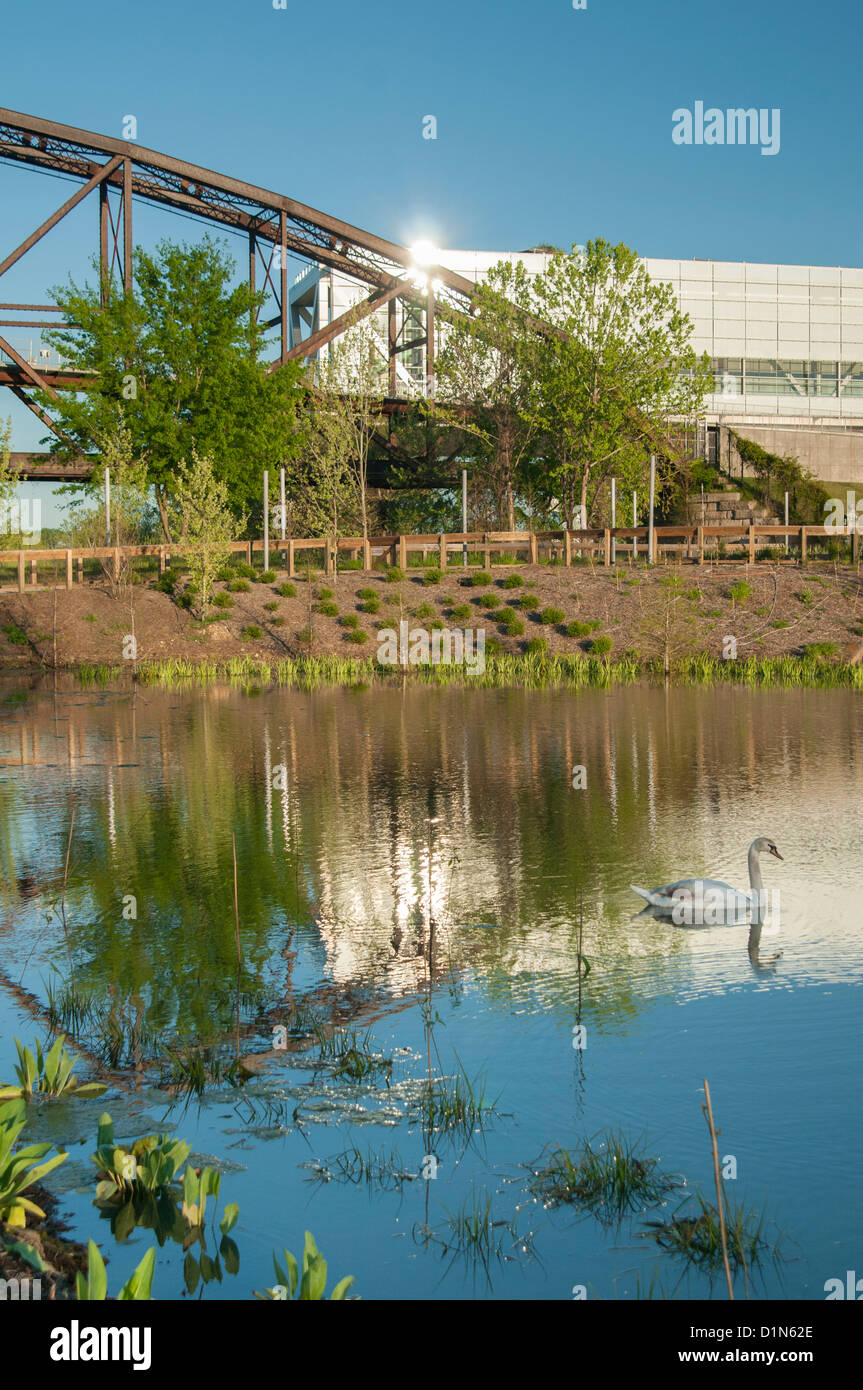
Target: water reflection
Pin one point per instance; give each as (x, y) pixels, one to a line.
(362, 817)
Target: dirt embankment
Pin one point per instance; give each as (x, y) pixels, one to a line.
(767, 610)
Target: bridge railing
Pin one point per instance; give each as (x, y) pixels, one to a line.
(604, 545)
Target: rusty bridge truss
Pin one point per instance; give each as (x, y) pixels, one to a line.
(278, 228)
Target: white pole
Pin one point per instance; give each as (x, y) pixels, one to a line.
(464, 514)
(613, 520)
(786, 522)
(266, 519)
(282, 502)
(635, 523)
(652, 501)
(107, 507)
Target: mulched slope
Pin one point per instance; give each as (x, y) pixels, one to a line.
(786, 608)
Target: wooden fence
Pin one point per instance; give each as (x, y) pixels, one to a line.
(693, 543)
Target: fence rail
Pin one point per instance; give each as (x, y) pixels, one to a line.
(607, 543)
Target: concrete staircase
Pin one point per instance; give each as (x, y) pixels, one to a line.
(723, 508)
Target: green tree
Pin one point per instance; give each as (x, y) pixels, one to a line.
(178, 352)
(210, 524)
(607, 381)
(483, 377)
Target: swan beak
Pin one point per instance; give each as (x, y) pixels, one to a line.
(775, 851)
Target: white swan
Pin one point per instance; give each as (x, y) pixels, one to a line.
(707, 902)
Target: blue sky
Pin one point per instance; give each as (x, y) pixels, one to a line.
(553, 124)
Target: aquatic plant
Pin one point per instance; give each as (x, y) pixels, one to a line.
(93, 1286)
(610, 1178)
(308, 1285)
(48, 1075)
(384, 1171)
(350, 1051)
(20, 1168)
(696, 1235)
(152, 1162)
(457, 1102)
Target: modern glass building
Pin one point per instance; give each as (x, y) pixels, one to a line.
(785, 341)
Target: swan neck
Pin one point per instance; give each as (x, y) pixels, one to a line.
(755, 880)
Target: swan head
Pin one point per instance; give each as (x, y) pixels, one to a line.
(764, 845)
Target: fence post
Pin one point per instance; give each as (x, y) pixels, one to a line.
(328, 555)
(291, 570)
(33, 579)
(533, 549)
(68, 569)
(855, 545)
(116, 564)
(701, 545)
(20, 571)
(567, 548)
(161, 560)
(403, 552)
(442, 559)
(751, 543)
(80, 569)
(367, 554)
(486, 552)
(248, 552)
(803, 545)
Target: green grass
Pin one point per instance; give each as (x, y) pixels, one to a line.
(271, 607)
(239, 586)
(489, 601)
(610, 1176)
(432, 576)
(480, 578)
(287, 590)
(696, 1236)
(328, 609)
(457, 1102)
(253, 632)
(424, 610)
(15, 634)
(223, 600)
(462, 612)
(358, 636)
(512, 581)
(394, 575)
(371, 605)
(349, 620)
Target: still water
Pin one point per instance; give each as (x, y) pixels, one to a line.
(361, 817)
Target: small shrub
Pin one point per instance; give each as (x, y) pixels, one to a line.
(394, 575)
(278, 622)
(527, 601)
(492, 646)
(692, 594)
(740, 591)
(287, 590)
(271, 608)
(239, 586)
(357, 635)
(432, 576)
(424, 610)
(512, 581)
(552, 615)
(245, 570)
(223, 600)
(329, 610)
(820, 651)
(481, 578)
(600, 646)
(371, 605)
(324, 593)
(304, 636)
(537, 646)
(367, 593)
(461, 611)
(805, 597)
(489, 601)
(266, 576)
(253, 632)
(350, 620)
(437, 625)
(780, 622)
(15, 634)
(577, 629)
(514, 627)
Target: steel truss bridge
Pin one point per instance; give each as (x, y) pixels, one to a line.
(117, 172)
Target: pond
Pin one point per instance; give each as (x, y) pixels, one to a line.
(435, 883)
